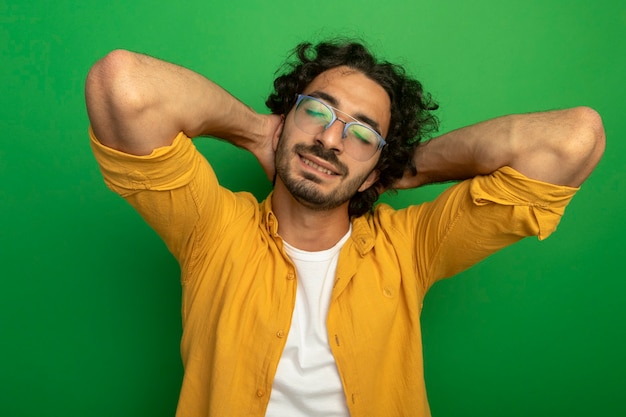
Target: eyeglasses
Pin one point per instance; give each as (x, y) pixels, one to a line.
(313, 116)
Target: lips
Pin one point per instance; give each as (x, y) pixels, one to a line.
(326, 169)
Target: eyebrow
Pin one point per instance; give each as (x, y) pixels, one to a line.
(359, 116)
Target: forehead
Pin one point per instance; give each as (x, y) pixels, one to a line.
(354, 93)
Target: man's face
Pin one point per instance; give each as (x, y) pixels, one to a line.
(314, 168)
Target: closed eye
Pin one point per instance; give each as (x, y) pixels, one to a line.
(363, 134)
(316, 114)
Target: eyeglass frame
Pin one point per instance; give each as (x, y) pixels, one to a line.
(346, 125)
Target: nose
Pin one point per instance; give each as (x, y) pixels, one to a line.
(332, 137)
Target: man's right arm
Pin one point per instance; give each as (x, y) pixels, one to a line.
(137, 103)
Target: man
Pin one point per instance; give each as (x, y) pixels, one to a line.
(308, 303)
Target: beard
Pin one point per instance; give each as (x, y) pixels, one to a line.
(305, 190)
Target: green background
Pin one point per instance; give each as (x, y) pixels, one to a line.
(89, 296)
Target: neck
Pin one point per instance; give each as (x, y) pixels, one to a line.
(306, 228)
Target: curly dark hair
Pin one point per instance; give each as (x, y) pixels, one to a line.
(411, 108)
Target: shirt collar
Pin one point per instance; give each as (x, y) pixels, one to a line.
(269, 218)
(362, 233)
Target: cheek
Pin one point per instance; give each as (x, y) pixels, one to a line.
(281, 139)
(288, 130)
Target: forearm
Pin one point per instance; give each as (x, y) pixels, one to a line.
(137, 103)
(560, 147)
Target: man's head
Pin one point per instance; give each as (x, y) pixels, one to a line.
(409, 114)
(320, 166)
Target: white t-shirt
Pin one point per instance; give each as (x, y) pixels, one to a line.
(307, 382)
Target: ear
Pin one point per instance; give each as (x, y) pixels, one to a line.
(371, 179)
(278, 132)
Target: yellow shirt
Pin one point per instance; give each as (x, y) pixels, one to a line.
(239, 286)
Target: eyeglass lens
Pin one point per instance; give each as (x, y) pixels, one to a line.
(314, 116)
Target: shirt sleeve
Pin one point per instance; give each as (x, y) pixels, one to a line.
(475, 218)
(174, 189)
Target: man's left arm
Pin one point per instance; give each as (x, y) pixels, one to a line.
(561, 147)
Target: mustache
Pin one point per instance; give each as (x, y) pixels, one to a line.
(322, 153)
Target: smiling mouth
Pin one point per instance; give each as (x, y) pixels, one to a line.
(317, 167)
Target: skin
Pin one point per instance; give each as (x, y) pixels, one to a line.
(137, 103)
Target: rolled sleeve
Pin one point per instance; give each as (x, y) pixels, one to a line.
(540, 204)
(166, 168)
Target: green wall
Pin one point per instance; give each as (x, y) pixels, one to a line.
(89, 296)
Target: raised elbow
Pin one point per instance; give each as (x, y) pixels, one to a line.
(581, 151)
(109, 87)
(590, 138)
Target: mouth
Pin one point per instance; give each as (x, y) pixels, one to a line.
(327, 169)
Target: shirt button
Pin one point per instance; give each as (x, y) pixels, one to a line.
(291, 276)
(388, 291)
(280, 334)
(260, 393)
